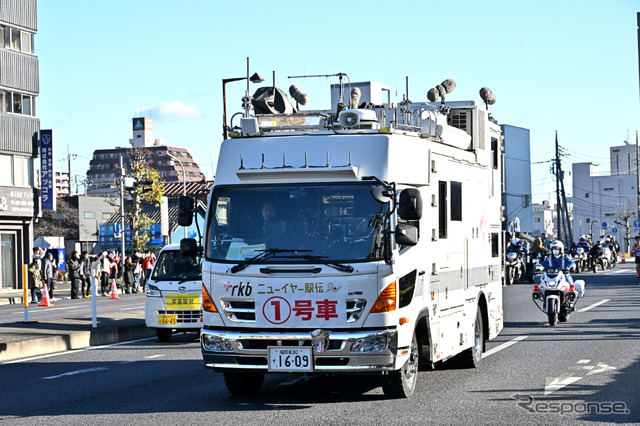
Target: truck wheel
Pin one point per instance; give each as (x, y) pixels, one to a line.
(164, 334)
(243, 383)
(402, 383)
(471, 357)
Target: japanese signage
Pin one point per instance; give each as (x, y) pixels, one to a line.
(47, 172)
(287, 304)
(16, 201)
(109, 235)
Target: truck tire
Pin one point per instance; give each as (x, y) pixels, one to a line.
(243, 383)
(164, 334)
(471, 357)
(402, 383)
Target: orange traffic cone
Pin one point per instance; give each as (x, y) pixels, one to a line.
(114, 290)
(623, 259)
(45, 297)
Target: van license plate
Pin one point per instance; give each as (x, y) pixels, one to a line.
(167, 319)
(283, 358)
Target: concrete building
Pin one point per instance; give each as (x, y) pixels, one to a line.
(174, 164)
(516, 198)
(544, 219)
(607, 204)
(63, 187)
(19, 135)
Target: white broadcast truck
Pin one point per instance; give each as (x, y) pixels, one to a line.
(363, 239)
(172, 301)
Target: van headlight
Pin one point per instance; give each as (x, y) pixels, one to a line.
(211, 342)
(372, 343)
(153, 291)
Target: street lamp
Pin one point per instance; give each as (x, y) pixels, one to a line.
(255, 78)
(184, 183)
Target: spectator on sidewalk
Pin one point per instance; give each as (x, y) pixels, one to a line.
(129, 266)
(74, 274)
(35, 280)
(85, 274)
(105, 271)
(137, 270)
(147, 266)
(47, 274)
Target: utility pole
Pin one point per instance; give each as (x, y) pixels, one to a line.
(561, 199)
(558, 205)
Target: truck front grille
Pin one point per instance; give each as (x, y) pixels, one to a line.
(185, 317)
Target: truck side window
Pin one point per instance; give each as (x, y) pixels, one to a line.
(456, 201)
(442, 209)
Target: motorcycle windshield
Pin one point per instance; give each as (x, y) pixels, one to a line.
(295, 224)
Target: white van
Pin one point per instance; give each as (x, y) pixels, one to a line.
(173, 293)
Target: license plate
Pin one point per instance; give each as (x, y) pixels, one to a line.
(183, 301)
(167, 319)
(283, 358)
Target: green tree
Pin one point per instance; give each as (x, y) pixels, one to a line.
(148, 188)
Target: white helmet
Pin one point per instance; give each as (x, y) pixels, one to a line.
(515, 241)
(557, 245)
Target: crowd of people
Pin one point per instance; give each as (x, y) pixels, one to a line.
(106, 267)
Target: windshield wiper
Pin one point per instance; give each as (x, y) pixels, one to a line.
(266, 254)
(338, 266)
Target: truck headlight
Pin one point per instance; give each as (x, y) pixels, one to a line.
(216, 343)
(373, 343)
(153, 291)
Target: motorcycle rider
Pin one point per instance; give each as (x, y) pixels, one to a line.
(516, 246)
(584, 244)
(595, 253)
(558, 260)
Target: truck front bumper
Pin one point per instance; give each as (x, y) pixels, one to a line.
(346, 351)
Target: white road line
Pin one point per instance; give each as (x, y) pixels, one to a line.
(154, 356)
(593, 306)
(17, 361)
(130, 309)
(503, 346)
(46, 310)
(73, 373)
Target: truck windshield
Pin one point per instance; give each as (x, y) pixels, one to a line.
(172, 266)
(296, 223)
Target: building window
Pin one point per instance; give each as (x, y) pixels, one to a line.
(6, 170)
(607, 189)
(586, 195)
(89, 215)
(106, 216)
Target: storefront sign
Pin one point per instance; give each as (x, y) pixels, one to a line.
(47, 173)
(16, 201)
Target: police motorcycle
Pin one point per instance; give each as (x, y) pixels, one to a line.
(580, 254)
(597, 257)
(514, 265)
(610, 252)
(557, 295)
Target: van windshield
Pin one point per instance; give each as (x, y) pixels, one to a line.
(295, 224)
(172, 266)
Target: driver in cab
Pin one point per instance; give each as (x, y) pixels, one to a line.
(271, 226)
(558, 260)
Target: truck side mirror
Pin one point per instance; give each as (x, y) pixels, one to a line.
(410, 204)
(186, 207)
(189, 247)
(406, 235)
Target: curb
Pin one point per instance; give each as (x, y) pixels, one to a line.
(74, 340)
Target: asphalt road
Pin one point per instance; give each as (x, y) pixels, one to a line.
(584, 371)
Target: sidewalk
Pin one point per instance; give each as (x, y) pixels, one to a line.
(20, 340)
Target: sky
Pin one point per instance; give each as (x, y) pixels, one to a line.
(564, 66)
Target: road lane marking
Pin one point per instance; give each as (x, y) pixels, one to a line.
(154, 356)
(73, 373)
(17, 361)
(129, 309)
(504, 346)
(553, 384)
(593, 306)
